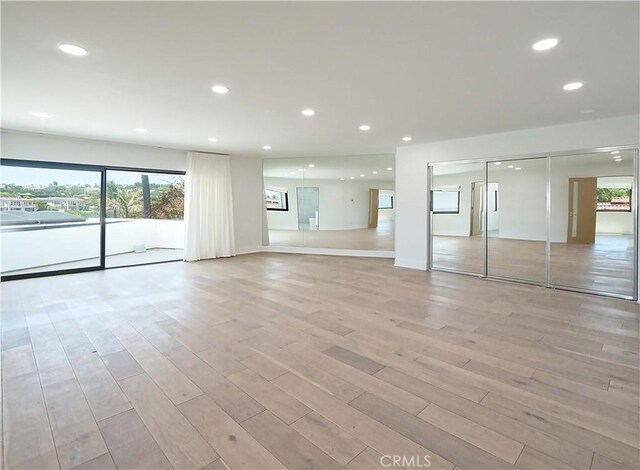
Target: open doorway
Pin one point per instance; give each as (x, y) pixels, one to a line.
(308, 208)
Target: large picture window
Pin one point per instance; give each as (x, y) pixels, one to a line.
(613, 199)
(62, 218)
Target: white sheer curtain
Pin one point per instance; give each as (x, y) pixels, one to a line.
(208, 207)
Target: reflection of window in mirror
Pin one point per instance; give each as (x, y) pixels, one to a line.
(276, 199)
(614, 194)
(385, 201)
(446, 200)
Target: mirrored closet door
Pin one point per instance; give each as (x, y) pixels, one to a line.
(563, 221)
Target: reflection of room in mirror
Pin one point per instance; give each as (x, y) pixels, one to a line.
(332, 202)
(590, 228)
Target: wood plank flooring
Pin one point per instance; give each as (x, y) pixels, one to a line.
(271, 361)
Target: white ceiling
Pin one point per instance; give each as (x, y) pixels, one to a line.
(432, 70)
(361, 168)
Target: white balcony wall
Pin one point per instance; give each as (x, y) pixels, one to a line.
(57, 245)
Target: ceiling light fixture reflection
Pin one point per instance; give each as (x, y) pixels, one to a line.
(510, 166)
(41, 114)
(365, 127)
(497, 163)
(518, 168)
(308, 112)
(407, 139)
(545, 44)
(220, 89)
(352, 177)
(266, 147)
(389, 169)
(72, 49)
(615, 152)
(341, 179)
(374, 172)
(361, 176)
(213, 139)
(142, 130)
(311, 165)
(572, 86)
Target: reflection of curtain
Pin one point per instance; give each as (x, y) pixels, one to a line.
(208, 207)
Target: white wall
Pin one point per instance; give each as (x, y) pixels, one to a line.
(343, 205)
(246, 172)
(412, 161)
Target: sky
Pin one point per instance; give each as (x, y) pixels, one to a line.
(43, 176)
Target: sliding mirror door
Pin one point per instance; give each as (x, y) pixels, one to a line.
(457, 217)
(592, 222)
(49, 218)
(517, 219)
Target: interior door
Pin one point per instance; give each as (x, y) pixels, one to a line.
(582, 210)
(374, 203)
(308, 208)
(477, 190)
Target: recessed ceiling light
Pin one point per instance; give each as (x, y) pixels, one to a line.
(266, 147)
(389, 169)
(41, 114)
(220, 89)
(510, 166)
(213, 139)
(545, 44)
(615, 152)
(299, 169)
(352, 177)
(293, 173)
(365, 127)
(361, 176)
(374, 172)
(406, 139)
(518, 168)
(497, 163)
(142, 129)
(341, 179)
(308, 112)
(618, 160)
(572, 86)
(72, 49)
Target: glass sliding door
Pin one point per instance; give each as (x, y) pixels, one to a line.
(144, 217)
(458, 217)
(592, 222)
(50, 218)
(517, 219)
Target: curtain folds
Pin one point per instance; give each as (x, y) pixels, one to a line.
(208, 207)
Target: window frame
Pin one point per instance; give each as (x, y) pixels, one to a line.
(286, 201)
(102, 169)
(435, 212)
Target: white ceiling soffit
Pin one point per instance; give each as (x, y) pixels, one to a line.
(429, 70)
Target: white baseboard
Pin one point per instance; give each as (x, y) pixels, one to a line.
(249, 249)
(328, 251)
(411, 263)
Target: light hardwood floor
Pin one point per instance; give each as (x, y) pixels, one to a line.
(606, 266)
(271, 360)
(380, 238)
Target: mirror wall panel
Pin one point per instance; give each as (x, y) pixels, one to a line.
(517, 219)
(457, 217)
(331, 202)
(592, 222)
